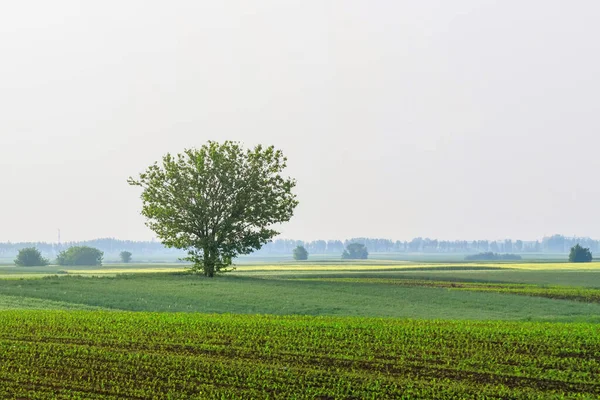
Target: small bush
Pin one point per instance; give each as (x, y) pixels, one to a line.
(80, 255)
(125, 256)
(30, 257)
(580, 254)
(355, 251)
(300, 254)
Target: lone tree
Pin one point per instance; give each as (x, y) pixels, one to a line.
(80, 255)
(125, 256)
(580, 254)
(30, 257)
(300, 254)
(217, 202)
(355, 251)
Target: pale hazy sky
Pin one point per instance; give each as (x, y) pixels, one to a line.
(448, 119)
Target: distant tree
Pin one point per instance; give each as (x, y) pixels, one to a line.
(300, 253)
(217, 202)
(415, 244)
(580, 254)
(555, 244)
(30, 257)
(125, 256)
(519, 246)
(318, 247)
(80, 255)
(494, 247)
(335, 246)
(355, 251)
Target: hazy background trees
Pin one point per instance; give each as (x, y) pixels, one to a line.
(149, 250)
(489, 256)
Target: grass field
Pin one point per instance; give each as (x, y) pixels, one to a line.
(382, 329)
(29, 303)
(285, 294)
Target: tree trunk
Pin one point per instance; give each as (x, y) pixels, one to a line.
(209, 265)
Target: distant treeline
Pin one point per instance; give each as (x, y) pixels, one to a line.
(552, 244)
(112, 247)
(489, 256)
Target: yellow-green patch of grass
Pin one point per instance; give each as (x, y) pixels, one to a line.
(417, 266)
(115, 271)
(547, 266)
(347, 267)
(29, 303)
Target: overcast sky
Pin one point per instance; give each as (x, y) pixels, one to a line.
(462, 119)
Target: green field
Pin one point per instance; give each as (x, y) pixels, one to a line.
(382, 329)
(149, 355)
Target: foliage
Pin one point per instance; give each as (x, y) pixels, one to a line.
(355, 251)
(300, 254)
(80, 255)
(580, 254)
(30, 257)
(217, 202)
(489, 256)
(125, 256)
(180, 356)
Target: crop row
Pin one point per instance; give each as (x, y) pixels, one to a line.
(88, 354)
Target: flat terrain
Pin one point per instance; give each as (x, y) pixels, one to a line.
(302, 294)
(382, 329)
(181, 356)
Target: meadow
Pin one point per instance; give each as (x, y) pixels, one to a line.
(377, 329)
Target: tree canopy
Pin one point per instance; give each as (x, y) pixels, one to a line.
(300, 254)
(30, 257)
(125, 256)
(80, 255)
(355, 251)
(580, 254)
(217, 202)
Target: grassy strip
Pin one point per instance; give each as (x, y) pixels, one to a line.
(589, 295)
(149, 355)
(247, 295)
(19, 303)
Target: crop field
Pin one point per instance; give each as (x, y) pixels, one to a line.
(330, 265)
(551, 292)
(381, 330)
(148, 355)
(289, 293)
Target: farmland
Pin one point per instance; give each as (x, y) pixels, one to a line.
(342, 293)
(379, 330)
(149, 355)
